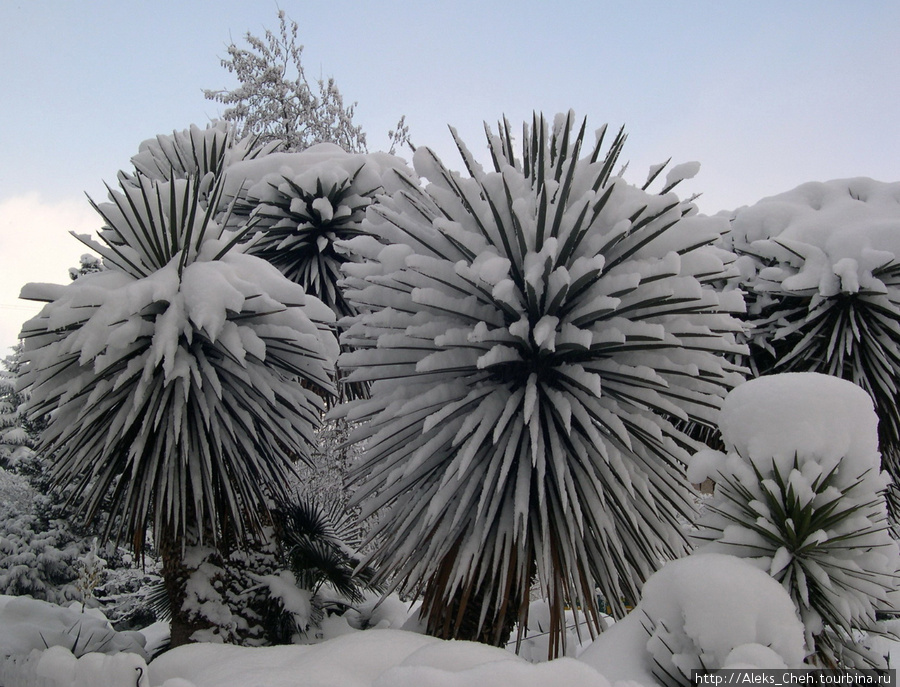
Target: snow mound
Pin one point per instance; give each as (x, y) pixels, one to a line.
(374, 658)
(705, 610)
(801, 413)
(27, 624)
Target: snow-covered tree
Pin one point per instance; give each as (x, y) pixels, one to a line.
(276, 101)
(183, 381)
(529, 333)
(800, 494)
(821, 267)
(303, 207)
(87, 264)
(16, 435)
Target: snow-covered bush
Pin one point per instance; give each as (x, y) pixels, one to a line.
(702, 612)
(800, 494)
(822, 272)
(529, 332)
(27, 624)
(38, 557)
(183, 380)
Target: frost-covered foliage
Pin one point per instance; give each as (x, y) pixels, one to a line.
(299, 213)
(822, 272)
(44, 556)
(184, 379)
(38, 557)
(302, 207)
(800, 494)
(278, 592)
(529, 331)
(87, 264)
(276, 101)
(16, 435)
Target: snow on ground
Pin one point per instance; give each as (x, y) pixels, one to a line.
(714, 607)
(374, 658)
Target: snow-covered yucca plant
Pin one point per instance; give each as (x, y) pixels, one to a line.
(529, 333)
(194, 152)
(182, 381)
(822, 270)
(301, 212)
(800, 493)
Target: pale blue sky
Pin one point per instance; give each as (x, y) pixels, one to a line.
(765, 94)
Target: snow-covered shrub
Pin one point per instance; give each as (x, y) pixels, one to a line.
(800, 494)
(37, 558)
(528, 333)
(700, 609)
(16, 435)
(27, 624)
(87, 264)
(194, 152)
(184, 380)
(822, 272)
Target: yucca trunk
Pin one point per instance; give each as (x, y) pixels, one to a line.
(485, 612)
(176, 572)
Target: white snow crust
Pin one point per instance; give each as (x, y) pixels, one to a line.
(824, 237)
(805, 414)
(702, 608)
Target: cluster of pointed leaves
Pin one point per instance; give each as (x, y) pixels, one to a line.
(528, 332)
(823, 282)
(822, 533)
(184, 379)
(298, 218)
(303, 208)
(194, 152)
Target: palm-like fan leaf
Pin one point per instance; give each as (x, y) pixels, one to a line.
(529, 330)
(321, 544)
(182, 379)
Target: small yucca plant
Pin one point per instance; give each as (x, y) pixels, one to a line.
(815, 520)
(183, 380)
(527, 332)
